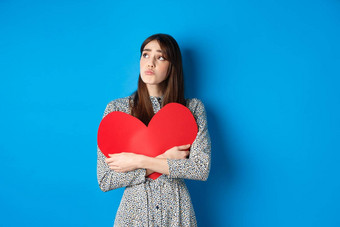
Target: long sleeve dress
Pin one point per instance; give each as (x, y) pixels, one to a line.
(165, 201)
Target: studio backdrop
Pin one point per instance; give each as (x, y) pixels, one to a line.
(266, 71)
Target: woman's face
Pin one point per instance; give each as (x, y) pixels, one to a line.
(153, 65)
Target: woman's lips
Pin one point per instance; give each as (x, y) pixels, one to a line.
(149, 72)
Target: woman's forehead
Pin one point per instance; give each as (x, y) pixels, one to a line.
(153, 46)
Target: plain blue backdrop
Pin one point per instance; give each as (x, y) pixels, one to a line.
(267, 72)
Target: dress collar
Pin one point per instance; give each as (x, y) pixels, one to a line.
(157, 97)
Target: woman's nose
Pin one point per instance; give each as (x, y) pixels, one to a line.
(151, 63)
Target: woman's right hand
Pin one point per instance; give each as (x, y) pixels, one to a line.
(177, 152)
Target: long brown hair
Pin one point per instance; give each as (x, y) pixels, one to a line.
(172, 87)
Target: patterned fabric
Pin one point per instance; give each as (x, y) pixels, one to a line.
(165, 201)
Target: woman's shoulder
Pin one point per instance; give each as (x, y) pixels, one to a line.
(195, 105)
(197, 109)
(119, 104)
(194, 102)
(121, 101)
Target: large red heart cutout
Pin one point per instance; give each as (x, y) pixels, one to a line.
(173, 125)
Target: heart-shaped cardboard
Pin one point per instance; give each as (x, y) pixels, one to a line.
(173, 125)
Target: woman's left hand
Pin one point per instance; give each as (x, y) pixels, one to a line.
(123, 162)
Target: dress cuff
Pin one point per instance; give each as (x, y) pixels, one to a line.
(171, 165)
(139, 176)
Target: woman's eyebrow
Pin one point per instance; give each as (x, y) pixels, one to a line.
(150, 50)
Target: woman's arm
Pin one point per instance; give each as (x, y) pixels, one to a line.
(109, 179)
(197, 166)
(160, 164)
(125, 162)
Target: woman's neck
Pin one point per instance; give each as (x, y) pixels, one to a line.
(154, 90)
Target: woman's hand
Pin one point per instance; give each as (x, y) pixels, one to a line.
(124, 162)
(177, 152)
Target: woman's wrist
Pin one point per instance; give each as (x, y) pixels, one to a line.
(161, 156)
(140, 162)
(155, 164)
(143, 160)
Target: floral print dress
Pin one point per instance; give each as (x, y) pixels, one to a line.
(165, 201)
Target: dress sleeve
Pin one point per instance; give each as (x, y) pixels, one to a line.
(197, 166)
(109, 179)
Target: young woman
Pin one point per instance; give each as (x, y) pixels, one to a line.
(166, 200)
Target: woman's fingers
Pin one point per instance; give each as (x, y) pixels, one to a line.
(184, 147)
(114, 167)
(111, 159)
(186, 153)
(108, 160)
(122, 162)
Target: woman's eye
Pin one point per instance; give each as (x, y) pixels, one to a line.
(161, 58)
(145, 55)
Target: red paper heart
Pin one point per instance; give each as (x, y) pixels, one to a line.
(173, 125)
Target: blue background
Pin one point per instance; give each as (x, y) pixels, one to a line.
(267, 72)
